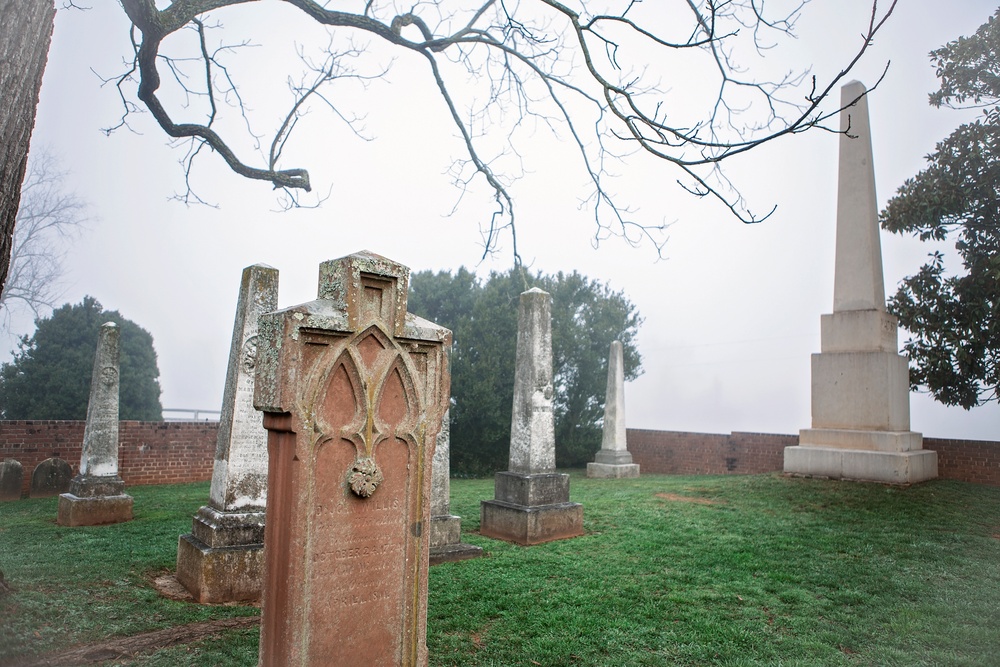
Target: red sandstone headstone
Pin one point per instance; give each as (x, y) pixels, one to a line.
(353, 390)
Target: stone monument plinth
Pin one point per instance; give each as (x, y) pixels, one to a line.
(222, 558)
(613, 459)
(446, 528)
(97, 494)
(860, 383)
(531, 500)
(354, 391)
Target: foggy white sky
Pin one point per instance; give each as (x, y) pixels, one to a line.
(731, 316)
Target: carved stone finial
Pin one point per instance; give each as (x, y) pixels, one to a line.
(365, 477)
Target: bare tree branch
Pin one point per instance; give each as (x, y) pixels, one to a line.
(587, 70)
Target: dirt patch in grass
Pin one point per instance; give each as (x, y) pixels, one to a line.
(168, 586)
(688, 499)
(480, 636)
(127, 647)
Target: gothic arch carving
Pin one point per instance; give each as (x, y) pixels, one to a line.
(374, 370)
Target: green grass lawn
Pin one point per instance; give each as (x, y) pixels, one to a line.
(722, 570)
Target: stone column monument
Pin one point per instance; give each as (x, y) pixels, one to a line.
(97, 494)
(531, 500)
(354, 391)
(222, 559)
(613, 458)
(860, 384)
(446, 528)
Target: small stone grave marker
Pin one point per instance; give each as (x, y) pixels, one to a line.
(50, 478)
(11, 479)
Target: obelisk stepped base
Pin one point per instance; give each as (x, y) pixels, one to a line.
(892, 457)
(220, 574)
(222, 559)
(612, 464)
(531, 509)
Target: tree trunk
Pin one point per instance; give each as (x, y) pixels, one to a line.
(25, 33)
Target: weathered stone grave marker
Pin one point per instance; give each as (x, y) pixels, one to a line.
(531, 503)
(613, 458)
(354, 391)
(860, 384)
(50, 478)
(97, 494)
(11, 479)
(446, 528)
(222, 559)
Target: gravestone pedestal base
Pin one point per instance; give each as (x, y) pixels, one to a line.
(893, 457)
(612, 471)
(94, 500)
(531, 509)
(222, 559)
(612, 464)
(446, 541)
(94, 511)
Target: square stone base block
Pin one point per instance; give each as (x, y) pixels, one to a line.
(881, 441)
(446, 541)
(527, 525)
(218, 528)
(222, 574)
(907, 467)
(531, 490)
(610, 471)
(449, 553)
(94, 511)
(445, 529)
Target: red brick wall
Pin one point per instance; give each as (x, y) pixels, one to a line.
(174, 452)
(976, 461)
(678, 453)
(148, 452)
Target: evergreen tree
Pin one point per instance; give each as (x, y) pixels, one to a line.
(954, 317)
(49, 377)
(482, 314)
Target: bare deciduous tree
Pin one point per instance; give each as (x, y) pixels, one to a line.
(613, 77)
(47, 215)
